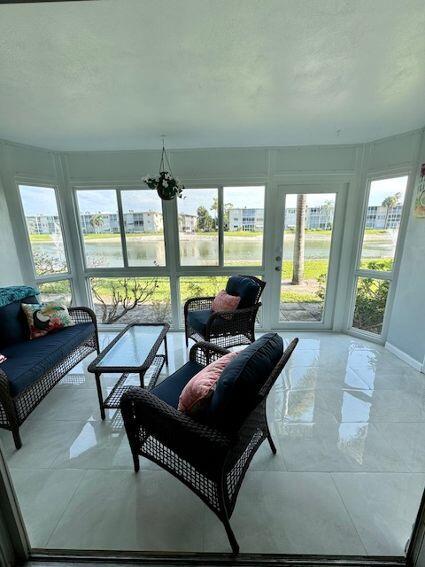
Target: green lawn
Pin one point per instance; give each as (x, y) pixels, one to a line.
(241, 233)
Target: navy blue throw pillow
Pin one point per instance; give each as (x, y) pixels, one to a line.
(13, 323)
(236, 391)
(246, 288)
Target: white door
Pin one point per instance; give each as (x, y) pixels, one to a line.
(307, 246)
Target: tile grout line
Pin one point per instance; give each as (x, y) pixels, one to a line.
(67, 504)
(348, 513)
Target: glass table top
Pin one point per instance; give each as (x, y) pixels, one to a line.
(132, 347)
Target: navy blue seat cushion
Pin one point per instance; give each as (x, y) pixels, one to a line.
(246, 288)
(13, 322)
(29, 360)
(198, 320)
(235, 395)
(169, 390)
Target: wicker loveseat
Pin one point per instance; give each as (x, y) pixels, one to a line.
(33, 367)
(230, 328)
(210, 455)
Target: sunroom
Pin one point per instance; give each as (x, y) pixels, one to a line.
(194, 210)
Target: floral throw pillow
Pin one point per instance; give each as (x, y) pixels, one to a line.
(46, 318)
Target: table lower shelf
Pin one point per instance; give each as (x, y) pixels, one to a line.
(151, 376)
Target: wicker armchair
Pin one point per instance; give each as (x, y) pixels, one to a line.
(14, 410)
(211, 462)
(226, 329)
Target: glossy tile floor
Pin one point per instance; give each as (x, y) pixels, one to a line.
(349, 421)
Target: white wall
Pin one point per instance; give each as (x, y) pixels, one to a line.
(27, 165)
(10, 270)
(407, 324)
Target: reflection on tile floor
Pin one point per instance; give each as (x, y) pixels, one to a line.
(349, 421)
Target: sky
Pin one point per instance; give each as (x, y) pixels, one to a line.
(38, 200)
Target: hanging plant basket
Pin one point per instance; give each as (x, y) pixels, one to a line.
(166, 185)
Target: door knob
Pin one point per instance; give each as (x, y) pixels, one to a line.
(277, 269)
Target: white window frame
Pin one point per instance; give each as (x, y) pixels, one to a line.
(390, 276)
(319, 185)
(29, 266)
(173, 269)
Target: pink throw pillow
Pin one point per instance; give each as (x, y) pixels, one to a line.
(198, 391)
(2, 358)
(225, 302)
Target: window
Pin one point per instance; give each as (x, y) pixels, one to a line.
(100, 228)
(383, 217)
(44, 230)
(375, 266)
(198, 227)
(144, 227)
(200, 286)
(370, 303)
(129, 300)
(56, 291)
(243, 225)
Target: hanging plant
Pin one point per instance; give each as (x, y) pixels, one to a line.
(165, 183)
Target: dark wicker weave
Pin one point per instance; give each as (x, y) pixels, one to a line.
(14, 411)
(227, 328)
(210, 462)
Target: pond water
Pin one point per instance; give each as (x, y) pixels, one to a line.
(203, 251)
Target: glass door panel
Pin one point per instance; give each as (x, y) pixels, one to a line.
(307, 237)
(306, 254)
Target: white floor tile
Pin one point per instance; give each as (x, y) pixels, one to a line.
(114, 510)
(43, 440)
(281, 512)
(43, 496)
(383, 507)
(408, 441)
(318, 378)
(95, 445)
(331, 447)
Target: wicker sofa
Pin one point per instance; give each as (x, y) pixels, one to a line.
(211, 455)
(33, 367)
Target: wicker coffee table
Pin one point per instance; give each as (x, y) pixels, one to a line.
(133, 351)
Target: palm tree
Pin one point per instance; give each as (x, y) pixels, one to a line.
(96, 221)
(389, 203)
(226, 209)
(328, 209)
(299, 243)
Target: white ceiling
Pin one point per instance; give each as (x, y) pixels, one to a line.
(115, 74)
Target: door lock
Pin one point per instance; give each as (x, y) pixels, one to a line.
(278, 258)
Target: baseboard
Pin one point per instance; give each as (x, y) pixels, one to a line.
(405, 357)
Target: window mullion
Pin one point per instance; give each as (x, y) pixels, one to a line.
(220, 214)
(122, 228)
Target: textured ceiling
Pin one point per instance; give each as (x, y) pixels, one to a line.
(115, 74)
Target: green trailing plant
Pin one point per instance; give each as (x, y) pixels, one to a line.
(167, 186)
